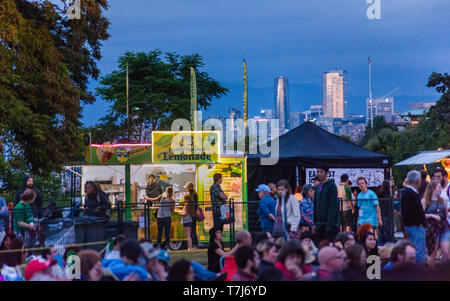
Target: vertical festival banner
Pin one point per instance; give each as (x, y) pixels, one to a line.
(193, 100)
(245, 107)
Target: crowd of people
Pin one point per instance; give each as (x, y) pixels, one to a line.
(323, 209)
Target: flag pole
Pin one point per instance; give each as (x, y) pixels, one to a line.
(128, 104)
(194, 120)
(245, 108)
(370, 93)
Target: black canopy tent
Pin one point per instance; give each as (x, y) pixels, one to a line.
(308, 146)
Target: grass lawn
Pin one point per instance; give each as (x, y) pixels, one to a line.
(200, 255)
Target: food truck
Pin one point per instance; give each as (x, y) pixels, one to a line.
(175, 158)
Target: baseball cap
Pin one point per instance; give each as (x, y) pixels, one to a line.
(164, 256)
(262, 187)
(149, 250)
(37, 265)
(307, 187)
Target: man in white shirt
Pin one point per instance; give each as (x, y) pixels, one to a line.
(441, 175)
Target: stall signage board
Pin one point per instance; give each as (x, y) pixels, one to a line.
(118, 154)
(186, 147)
(374, 176)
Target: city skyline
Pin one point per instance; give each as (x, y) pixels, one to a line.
(224, 36)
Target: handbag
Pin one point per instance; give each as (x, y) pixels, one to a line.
(225, 213)
(278, 230)
(199, 215)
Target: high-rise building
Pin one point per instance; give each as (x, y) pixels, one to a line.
(380, 107)
(266, 113)
(316, 111)
(234, 113)
(297, 118)
(281, 90)
(334, 94)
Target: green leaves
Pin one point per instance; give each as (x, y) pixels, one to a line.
(432, 132)
(45, 63)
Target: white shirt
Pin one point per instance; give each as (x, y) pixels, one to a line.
(444, 194)
(114, 254)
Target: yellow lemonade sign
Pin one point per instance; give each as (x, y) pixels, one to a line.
(186, 147)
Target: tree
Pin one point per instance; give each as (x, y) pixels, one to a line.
(379, 123)
(45, 63)
(431, 133)
(345, 137)
(159, 92)
(433, 130)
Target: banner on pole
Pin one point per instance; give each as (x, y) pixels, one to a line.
(245, 106)
(193, 100)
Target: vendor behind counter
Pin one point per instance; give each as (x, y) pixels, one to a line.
(96, 201)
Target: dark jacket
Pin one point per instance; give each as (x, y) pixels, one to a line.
(326, 206)
(98, 200)
(36, 206)
(154, 190)
(412, 210)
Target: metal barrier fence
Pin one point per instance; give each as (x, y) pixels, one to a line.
(139, 221)
(386, 211)
(386, 208)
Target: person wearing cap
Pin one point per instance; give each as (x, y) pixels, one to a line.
(266, 210)
(149, 260)
(307, 240)
(164, 259)
(40, 270)
(307, 206)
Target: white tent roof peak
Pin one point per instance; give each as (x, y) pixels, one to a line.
(426, 157)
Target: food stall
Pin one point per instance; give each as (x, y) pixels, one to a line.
(175, 158)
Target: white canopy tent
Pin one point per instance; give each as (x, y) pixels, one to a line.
(425, 157)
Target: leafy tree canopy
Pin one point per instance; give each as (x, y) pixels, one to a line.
(159, 92)
(431, 133)
(45, 63)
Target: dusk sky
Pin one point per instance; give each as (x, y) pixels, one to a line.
(297, 39)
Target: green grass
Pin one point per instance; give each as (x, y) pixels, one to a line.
(200, 255)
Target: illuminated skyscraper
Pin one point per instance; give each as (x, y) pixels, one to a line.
(381, 107)
(334, 94)
(282, 102)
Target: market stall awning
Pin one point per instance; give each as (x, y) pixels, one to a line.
(309, 145)
(426, 157)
